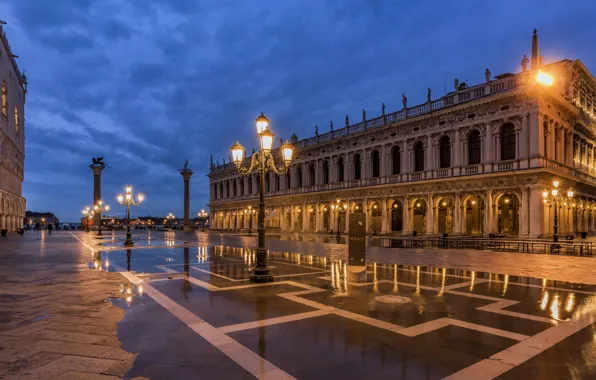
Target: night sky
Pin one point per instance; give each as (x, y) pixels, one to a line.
(148, 84)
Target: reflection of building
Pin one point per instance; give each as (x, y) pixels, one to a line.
(12, 138)
(473, 161)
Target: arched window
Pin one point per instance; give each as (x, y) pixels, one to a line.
(357, 167)
(507, 142)
(249, 179)
(340, 169)
(289, 178)
(474, 148)
(221, 194)
(234, 188)
(4, 100)
(241, 187)
(16, 119)
(376, 164)
(227, 189)
(214, 190)
(311, 174)
(299, 176)
(445, 152)
(395, 160)
(276, 182)
(267, 184)
(325, 172)
(419, 157)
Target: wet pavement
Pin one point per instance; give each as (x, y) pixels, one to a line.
(403, 321)
(190, 311)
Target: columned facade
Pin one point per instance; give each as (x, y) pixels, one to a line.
(12, 139)
(474, 162)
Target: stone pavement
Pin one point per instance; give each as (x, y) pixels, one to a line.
(55, 318)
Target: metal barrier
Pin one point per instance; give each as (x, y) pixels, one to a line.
(584, 248)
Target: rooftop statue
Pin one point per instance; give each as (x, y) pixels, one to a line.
(383, 109)
(487, 75)
(347, 121)
(404, 100)
(428, 94)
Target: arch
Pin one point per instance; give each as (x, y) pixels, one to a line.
(445, 215)
(376, 215)
(267, 183)
(445, 152)
(227, 189)
(474, 147)
(241, 187)
(395, 160)
(298, 220)
(4, 99)
(507, 142)
(299, 176)
(357, 207)
(419, 156)
(419, 208)
(325, 172)
(376, 163)
(397, 216)
(507, 213)
(249, 179)
(312, 217)
(357, 166)
(340, 169)
(325, 214)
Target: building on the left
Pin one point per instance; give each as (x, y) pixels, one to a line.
(12, 138)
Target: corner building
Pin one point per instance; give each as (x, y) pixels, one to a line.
(12, 138)
(473, 162)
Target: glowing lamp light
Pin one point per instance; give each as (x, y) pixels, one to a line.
(570, 193)
(287, 150)
(266, 138)
(237, 153)
(128, 189)
(554, 192)
(507, 200)
(140, 198)
(556, 183)
(120, 198)
(262, 123)
(544, 78)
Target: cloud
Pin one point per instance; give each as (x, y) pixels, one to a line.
(148, 84)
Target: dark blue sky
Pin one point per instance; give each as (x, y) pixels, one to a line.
(147, 84)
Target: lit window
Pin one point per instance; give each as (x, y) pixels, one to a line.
(16, 119)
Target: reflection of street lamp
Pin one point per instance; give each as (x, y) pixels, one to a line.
(555, 196)
(100, 208)
(338, 208)
(43, 223)
(263, 161)
(127, 200)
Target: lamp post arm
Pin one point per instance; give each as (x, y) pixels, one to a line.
(254, 163)
(270, 162)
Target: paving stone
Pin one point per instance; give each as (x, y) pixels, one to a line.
(65, 336)
(77, 375)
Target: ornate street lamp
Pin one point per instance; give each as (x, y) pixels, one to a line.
(127, 200)
(553, 196)
(338, 208)
(170, 217)
(100, 208)
(88, 215)
(263, 161)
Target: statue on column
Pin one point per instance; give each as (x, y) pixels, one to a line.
(404, 100)
(98, 161)
(487, 75)
(185, 165)
(524, 63)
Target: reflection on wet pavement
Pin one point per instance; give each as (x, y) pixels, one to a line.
(402, 321)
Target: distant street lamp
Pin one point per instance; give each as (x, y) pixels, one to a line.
(127, 200)
(338, 207)
(100, 208)
(555, 197)
(262, 161)
(203, 216)
(170, 219)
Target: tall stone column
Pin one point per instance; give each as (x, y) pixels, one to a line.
(384, 216)
(97, 168)
(3, 222)
(186, 173)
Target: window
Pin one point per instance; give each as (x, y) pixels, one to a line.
(289, 178)
(267, 185)
(340, 169)
(395, 160)
(357, 167)
(419, 157)
(221, 194)
(242, 186)
(227, 189)
(474, 148)
(299, 176)
(16, 119)
(325, 172)
(4, 100)
(311, 174)
(444, 152)
(508, 142)
(376, 164)
(249, 185)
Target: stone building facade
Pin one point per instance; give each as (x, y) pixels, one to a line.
(475, 161)
(12, 138)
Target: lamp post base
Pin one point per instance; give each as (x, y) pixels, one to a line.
(128, 243)
(555, 238)
(261, 275)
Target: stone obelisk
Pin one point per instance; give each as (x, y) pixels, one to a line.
(186, 173)
(97, 166)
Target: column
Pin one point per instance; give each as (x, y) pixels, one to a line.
(384, 219)
(457, 217)
(430, 215)
(186, 174)
(292, 218)
(347, 218)
(3, 222)
(97, 168)
(304, 218)
(488, 147)
(317, 218)
(456, 150)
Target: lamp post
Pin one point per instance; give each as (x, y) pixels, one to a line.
(170, 218)
(88, 215)
(128, 200)
(203, 215)
(338, 207)
(100, 208)
(555, 196)
(262, 161)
